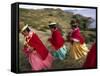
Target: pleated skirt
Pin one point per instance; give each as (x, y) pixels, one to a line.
(61, 53)
(78, 50)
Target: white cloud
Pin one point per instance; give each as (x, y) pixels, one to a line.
(41, 7)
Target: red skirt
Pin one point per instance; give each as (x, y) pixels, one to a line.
(91, 58)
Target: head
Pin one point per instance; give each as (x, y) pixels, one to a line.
(52, 26)
(25, 31)
(73, 24)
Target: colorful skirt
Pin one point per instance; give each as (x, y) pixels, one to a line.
(38, 64)
(78, 50)
(61, 53)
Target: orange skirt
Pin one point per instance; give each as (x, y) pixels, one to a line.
(78, 50)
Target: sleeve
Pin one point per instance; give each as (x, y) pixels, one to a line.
(26, 50)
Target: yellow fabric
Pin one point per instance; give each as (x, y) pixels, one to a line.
(78, 50)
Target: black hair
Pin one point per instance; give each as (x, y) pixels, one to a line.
(27, 29)
(73, 23)
(52, 26)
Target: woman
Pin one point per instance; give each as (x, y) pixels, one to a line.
(57, 42)
(91, 58)
(78, 47)
(38, 55)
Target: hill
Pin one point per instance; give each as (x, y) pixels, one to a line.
(40, 18)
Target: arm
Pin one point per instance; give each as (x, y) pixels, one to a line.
(28, 49)
(49, 44)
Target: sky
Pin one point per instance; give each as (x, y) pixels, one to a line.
(84, 11)
(41, 7)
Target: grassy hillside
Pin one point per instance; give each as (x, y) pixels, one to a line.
(40, 18)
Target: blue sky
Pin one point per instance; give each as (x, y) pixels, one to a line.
(84, 11)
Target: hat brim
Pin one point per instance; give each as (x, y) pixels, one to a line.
(24, 28)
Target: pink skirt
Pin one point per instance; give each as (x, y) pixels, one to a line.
(48, 61)
(38, 64)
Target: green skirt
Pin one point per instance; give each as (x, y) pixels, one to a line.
(61, 53)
